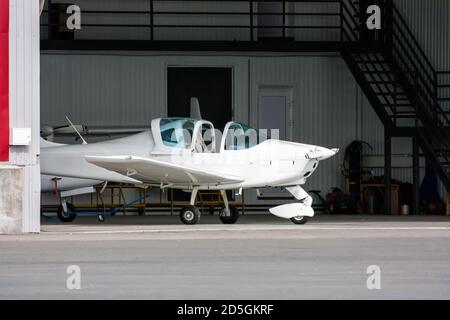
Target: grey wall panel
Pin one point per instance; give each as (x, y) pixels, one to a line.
(122, 89)
(311, 34)
(186, 33)
(371, 128)
(430, 22)
(24, 103)
(102, 90)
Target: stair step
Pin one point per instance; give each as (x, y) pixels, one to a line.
(405, 112)
(397, 105)
(388, 94)
(385, 82)
(402, 116)
(372, 64)
(376, 72)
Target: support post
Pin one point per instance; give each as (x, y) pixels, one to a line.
(193, 196)
(416, 177)
(251, 19)
(151, 21)
(223, 193)
(284, 19)
(387, 171)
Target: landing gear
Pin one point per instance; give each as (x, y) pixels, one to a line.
(229, 216)
(190, 215)
(67, 214)
(300, 219)
(101, 217)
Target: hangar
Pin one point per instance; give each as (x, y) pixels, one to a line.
(313, 69)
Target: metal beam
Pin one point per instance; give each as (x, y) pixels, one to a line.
(387, 171)
(416, 177)
(281, 45)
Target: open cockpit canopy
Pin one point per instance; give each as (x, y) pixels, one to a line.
(238, 136)
(183, 134)
(188, 134)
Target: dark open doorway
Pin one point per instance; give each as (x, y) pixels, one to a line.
(213, 88)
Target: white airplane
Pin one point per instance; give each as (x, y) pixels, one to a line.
(186, 153)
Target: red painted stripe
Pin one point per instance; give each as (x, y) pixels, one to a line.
(4, 80)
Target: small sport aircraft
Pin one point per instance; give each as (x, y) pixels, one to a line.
(188, 154)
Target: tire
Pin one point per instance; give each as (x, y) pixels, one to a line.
(141, 212)
(101, 217)
(229, 219)
(190, 215)
(300, 220)
(68, 216)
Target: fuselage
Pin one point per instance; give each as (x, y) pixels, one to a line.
(270, 163)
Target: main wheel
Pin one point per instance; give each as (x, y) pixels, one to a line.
(67, 216)
(229, 217)
(190, 215)
(300, 220)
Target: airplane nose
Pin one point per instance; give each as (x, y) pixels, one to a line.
(327, 153)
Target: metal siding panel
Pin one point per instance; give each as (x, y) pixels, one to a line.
(430, 23)
(372, 129)
(24, 102)
(102, 90)
(121, 89)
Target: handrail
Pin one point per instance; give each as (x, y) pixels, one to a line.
(405, 25)
(408, 50)
(330, 15)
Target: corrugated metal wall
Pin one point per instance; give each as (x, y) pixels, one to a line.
(24, 102)
(430, 22)
(121, 89)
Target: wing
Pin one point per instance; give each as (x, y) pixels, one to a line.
(155, 171)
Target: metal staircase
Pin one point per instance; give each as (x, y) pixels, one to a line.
(399, 81)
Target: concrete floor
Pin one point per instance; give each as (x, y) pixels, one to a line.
(261, 257)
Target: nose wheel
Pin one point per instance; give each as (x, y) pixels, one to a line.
(300, 219)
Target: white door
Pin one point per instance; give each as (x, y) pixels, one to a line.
(275, 114)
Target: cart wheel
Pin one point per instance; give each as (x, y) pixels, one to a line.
(212, 210)
(67, 216)
(101, 217)
(229, 218)
(190, 215)
(300, 220)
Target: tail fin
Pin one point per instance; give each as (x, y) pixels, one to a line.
(48, 144)
(195, 108)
